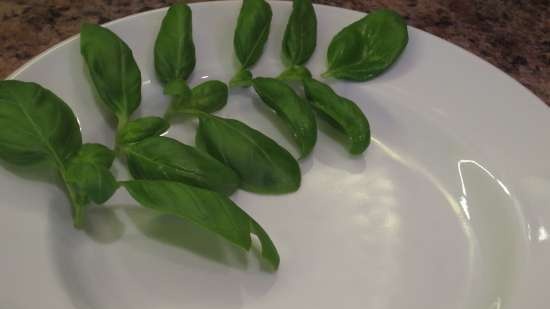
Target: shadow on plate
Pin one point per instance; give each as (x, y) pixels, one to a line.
(186, 235)
(41, 172)
(103, 225)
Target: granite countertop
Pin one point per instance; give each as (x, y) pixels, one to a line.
(512, 35)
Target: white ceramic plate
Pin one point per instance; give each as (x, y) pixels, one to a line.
(448, 208)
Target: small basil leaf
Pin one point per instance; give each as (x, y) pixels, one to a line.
(294, 110)
(95, 154)
(113, 69)
(205, 208)
(164, 158)
(142, 128)
(88, 174)
(91, 181)
(179, 88)
(252, 31)
(295, 73)
(346, 114)
(262, 165)
(174, 47)
(368, 47)
(243, 78)
(301, 33)
(35, 125)
(208, 97)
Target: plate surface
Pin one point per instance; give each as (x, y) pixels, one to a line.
(448, 208)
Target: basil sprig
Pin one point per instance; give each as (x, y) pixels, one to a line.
(37, 127)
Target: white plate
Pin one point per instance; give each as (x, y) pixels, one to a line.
(448, 208)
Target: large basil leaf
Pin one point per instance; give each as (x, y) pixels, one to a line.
(262, 165)
(301, 34)
(174, 47)
(368, 47)
(164, 158)
(112, 68)
(208, 209)
(347, 116)
(142, 128)
(35, 125)
(251, 34)
(88, 174)
(208, 97)
(294, 110)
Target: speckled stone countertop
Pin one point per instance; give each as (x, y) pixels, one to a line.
(514, 35)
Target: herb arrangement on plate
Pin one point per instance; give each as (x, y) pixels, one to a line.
(195, 182)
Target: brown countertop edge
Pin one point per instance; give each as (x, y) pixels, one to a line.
(512, 35)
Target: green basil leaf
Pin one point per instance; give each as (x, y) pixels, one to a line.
(262, 165)
(346, 114)
(205, 208)
(88, 174)
(243, 78)
(142, 128)
(301, 33)
(368, 47)
(252, 31)
(294, 110)
(35, 125)
(179, 88)
(208, 97)
(95, 154)
(295, 73)
(174, 47)
(163, 158)
(91, 182)
(113, 69)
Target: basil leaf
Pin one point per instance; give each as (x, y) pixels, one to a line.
(174, 47)
(252, 31)
(88, 174)
(294, 110)
(164, 158)
(96, 154)
(35, 125)
(178, 87)
(208, 209)
(142, 128)
(262, 165)
(243, 78)
(208, 97)
(295, 73)
(368, 47)
(112, 68)
(301, 33)
(347, 115)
